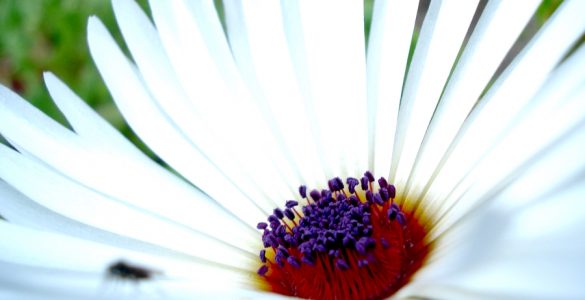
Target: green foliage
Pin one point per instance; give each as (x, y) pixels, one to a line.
(50, 35)
(38, 36)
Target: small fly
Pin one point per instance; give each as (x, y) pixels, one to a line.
(122, 272)
(126, 271)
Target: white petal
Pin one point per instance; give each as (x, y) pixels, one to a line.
(114, 169)
(268, 69)
(69, 287)
(557, 112)
(509, 160)
(233, 118)
(510, 93)
(70, 254)
(539, 210)
(546, 173)
(329, 57)
(19, 281)
(557, 216)
(445, 291)
(500, 24)
(20, 210)
(156, 129)
(388, 46)
(86, 122)
(439, 42)
(512, 182)
(533, 251)
(160, 78)
(539, 254)
(92, 208)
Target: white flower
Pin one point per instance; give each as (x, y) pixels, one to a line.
(289, 96)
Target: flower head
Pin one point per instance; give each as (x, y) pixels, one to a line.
(480, 188)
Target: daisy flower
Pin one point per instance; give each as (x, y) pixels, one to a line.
(302, 162)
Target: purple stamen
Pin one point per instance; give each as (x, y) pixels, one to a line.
(291, 203)
(370, 176)
(391, 191)
(282, 251)
(339, 183)
(378, 199)
(273, 219)
(306, 260)
(351, 184)
(401, 218)
(279, 260)
(353, 200)
(289, 214)
(382, 182)
(262, 271)
(348, 240)
(370, 196)
(341, 264)
(392, 213)
(333, 253)
(384, 243)
(335, 222)
(315, 195)
(280, 231)
(384, 194)
(303, 191)
(335, 184)
(331, 185)
(278, 213)
(293, 262)
(361, 245)
(364, 183)
(362, 263)
(325, 196)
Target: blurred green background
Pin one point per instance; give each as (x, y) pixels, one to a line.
(50, 35)
(43, 35)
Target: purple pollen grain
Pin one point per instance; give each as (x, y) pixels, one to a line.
(303, 191)
(392, 213)
(401, 218)
(341, 264)
(384, 194)
(278, 213)
(370, 176)
(391, 191)
(273, 219)
(378, 199)
(351, 184)
(362, 263)
(339, 183)
(293, 262)
(315, 195)
(382, 182)
(263, 270)
(370, 196)
(289, 214)
(364, 183)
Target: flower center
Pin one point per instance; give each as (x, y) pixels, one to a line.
(347, 242)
